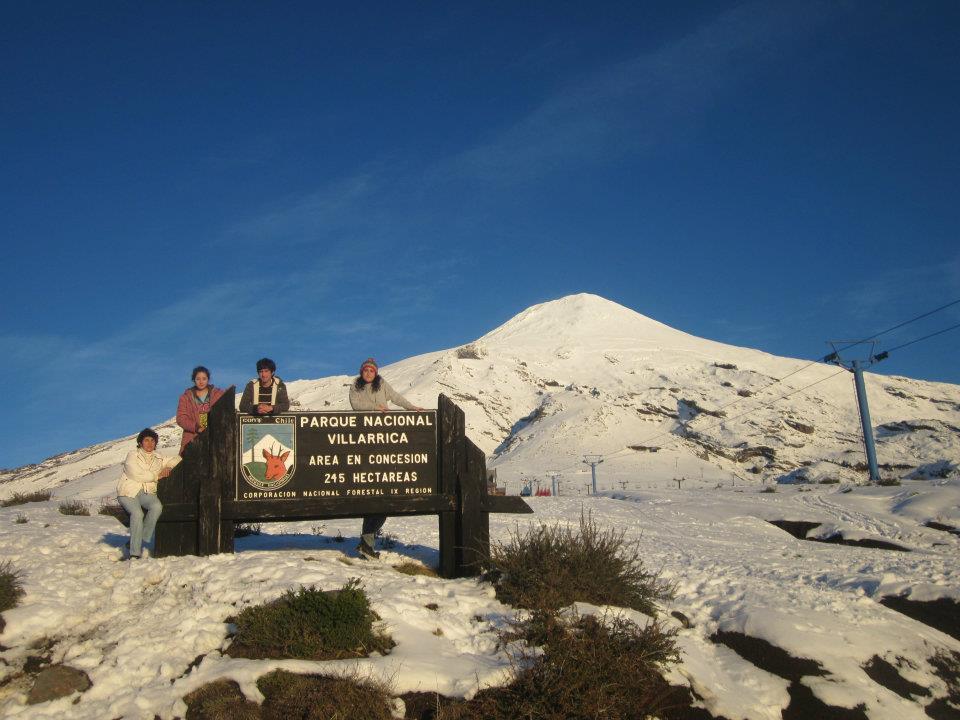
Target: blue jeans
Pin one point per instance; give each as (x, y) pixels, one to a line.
(141, 530)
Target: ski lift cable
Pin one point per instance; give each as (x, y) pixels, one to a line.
(820, 360)
(906, 322)
(768, 404)
(925, 337)
(794, 392)
(847, 347)
(737, 417)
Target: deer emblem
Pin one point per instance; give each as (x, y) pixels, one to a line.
(275, 464)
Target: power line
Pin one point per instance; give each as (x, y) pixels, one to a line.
(925, 337)
(880, 356)
(907, 322)
(824, 359)
(767, 404)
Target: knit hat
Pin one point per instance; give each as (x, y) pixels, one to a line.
(369, 362)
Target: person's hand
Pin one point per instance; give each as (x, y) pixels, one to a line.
(200, 430)
(418, 409)
(264, 408)
(165, 472)
(383, 408)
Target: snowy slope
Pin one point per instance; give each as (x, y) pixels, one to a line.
(585, 375)
(578, 375)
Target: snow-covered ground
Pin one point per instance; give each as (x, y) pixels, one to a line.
(691, 432)
(135, 628)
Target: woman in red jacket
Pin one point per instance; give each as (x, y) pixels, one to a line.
(195, 404)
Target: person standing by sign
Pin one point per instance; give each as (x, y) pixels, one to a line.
(371, 392)
(142, 471)
(195, 404)
(265, 394)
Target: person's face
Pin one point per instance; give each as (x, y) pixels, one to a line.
(266, 375)
(148, 444)
(201, 381)
(368, 374)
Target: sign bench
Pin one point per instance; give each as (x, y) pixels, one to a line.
(331, 464)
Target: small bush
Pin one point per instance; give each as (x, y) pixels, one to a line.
(888, 482)
(115, 510)
(11, 589)
(220, 700)
(769, 489)
(412, 568)
(24, 498)
(316, 697)
(829, 481)
(550, 567)
(21, 519)
(591, 668)
(74, 507)
(245, 529)
(310, 624)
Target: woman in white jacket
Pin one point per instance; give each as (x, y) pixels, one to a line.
(143, 469)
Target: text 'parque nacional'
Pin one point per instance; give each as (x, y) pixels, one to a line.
(337, 455)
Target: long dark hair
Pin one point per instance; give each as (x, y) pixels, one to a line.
(360, 382)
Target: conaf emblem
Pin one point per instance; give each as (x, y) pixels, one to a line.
(268, 454)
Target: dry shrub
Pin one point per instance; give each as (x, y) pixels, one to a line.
(74, 507)
(220, 700)
(590, 668)
(246, 529)
(24, 498)
(412, 568)
(550, 567)
(115, 510)
(11, 589)
(310, 624)
(315, 697)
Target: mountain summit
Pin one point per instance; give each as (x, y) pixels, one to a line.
(583, 375)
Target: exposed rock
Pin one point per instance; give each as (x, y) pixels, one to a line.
(471, 351)
(55, 682)
(799, 426)
(693, 408)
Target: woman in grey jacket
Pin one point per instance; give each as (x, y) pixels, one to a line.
(371, 392)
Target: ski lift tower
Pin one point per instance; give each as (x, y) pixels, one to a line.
(857, 367)
(554, 482)
(593, 461)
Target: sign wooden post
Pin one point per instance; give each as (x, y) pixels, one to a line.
(322, 465)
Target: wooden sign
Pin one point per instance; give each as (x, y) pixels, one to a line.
(336, 455)
(319, 465)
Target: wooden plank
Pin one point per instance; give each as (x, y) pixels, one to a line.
(506, 504)
(474, 521)
(449, 432)
(176, 532)
(223, 461)
(320, 508)
(214, 442)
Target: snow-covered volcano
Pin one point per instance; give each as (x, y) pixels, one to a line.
(583, 375)
(868, 626)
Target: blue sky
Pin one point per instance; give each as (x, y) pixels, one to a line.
(186, 183)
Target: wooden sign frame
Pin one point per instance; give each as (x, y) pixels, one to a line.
(200, 511)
